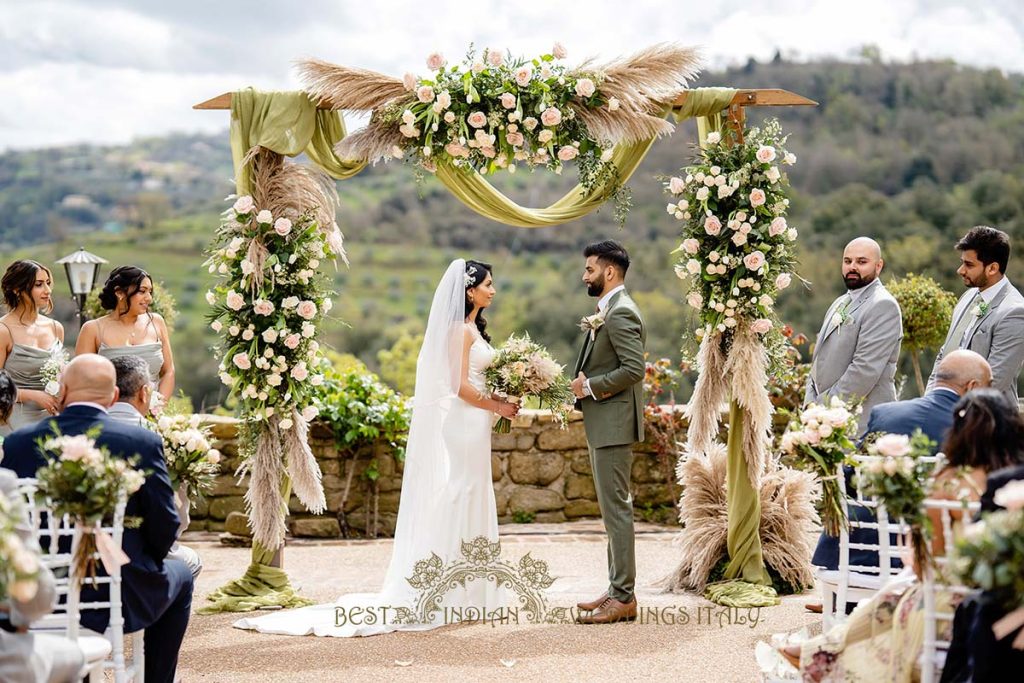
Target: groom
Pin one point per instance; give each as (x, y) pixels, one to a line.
(609, 386)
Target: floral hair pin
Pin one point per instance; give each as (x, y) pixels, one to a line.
(470, 272)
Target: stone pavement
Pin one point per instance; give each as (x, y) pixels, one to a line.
(701, 641)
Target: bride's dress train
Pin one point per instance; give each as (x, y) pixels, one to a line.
(447, 495)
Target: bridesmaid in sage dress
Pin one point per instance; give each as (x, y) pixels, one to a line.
(28, 338)
(131, 328)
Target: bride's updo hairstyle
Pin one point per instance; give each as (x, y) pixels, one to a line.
(476, 273)
(127, 279)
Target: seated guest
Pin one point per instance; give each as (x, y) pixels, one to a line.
(30, 657)
(882, 639)
(132, 407)
(959, 372)
(157, 592)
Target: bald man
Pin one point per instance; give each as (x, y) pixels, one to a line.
(859, 342)
(156, 590)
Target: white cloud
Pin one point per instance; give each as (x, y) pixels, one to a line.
(109, 70)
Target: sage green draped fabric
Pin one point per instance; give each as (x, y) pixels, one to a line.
(287, 123)
(473, 190)
(746, 583)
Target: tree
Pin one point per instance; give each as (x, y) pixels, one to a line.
(927, 310)
(398, 364)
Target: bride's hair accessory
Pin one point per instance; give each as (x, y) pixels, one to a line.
(470, 272)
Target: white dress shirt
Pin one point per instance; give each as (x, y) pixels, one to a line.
(602, 306)
(987, 295)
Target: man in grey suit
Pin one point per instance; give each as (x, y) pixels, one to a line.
(134, 386)
(859, 342)
(609, 386)
(989, 318)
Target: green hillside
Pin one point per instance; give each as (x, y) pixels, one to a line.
(913, 154)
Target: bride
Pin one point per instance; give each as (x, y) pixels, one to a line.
(447, 496)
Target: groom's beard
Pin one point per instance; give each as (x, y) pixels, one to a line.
(595, 289)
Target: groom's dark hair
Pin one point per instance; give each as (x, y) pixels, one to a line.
(991, 245)
(609, 252)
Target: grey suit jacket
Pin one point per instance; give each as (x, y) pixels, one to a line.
(998, 336)
(857, 360)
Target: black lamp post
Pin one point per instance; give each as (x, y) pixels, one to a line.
(83, 269)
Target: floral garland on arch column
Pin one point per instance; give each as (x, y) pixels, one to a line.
(737, 255)
(268, 307)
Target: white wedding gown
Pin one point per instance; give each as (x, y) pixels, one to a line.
(437, 517)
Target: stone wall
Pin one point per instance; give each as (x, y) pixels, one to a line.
(540, 473)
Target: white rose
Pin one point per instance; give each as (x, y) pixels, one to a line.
(211, 298)
(714, 138)
(893, 445)
(693, 266)
(264, 217)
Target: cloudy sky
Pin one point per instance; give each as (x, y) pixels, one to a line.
(110, 70)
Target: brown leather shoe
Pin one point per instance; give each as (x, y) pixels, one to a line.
(610, 611)
(593, 604)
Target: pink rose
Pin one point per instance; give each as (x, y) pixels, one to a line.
(761, 326)
(567, 153)
(585, 87)
(523, 75)
(508, 100)
(691, 246)
(282, 226)
(300, 372)
(676, 185)
(234, 300)
(409, 81)
(292, 341)
(515, 139)
(777, 227)
(241, 361)
(545, 136)
(306, 309)
(757, 197)
(488, 151)
(754, 260)
(435, 61)
(712, 225)
(783, 280)
(558, 51)
(893, 445)
(244, 204)
(263, 307)
(551, 117)
(444, 99)
(456, 150)
(765, 154)
(495, 57)
(425, 93)
(477, 119)
(529, 123)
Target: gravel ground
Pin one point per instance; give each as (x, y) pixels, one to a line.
(704, 648)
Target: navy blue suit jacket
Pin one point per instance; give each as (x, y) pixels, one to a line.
(933, 415)
(145, 588)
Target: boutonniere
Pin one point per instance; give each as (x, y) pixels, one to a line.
(841, 316)
(980, 309)
(592, 323)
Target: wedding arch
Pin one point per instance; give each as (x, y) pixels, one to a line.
(604, 116)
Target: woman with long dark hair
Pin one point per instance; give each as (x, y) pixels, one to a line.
(131, 328)
(28, 338)
(447, 502)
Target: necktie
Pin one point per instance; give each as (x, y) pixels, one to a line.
(961, 327)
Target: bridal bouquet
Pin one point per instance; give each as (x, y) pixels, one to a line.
(896, 477)
(990, 556)
(52, 369)
(521, 368)
(819, 440)
(85, 482)
(191, 460)
(19, 567)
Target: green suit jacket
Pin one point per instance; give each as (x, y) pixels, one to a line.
(614, 363)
